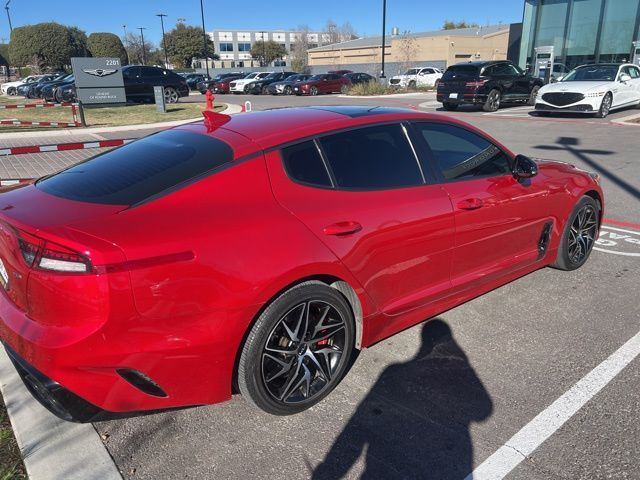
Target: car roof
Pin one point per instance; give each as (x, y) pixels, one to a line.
(480, 63)
(264, 130)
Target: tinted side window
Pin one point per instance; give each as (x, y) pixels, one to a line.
(460, 154)
(139, 170)
(131, 72)
(372, 158)
(304, 164)
(149, 72)
(634, 72)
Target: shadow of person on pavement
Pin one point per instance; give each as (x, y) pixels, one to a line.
(414, 423)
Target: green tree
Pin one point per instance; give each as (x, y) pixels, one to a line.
(106, 44)
(267, 51)
(78, 42)
(46, 45)
(184, 43)
(451, 25)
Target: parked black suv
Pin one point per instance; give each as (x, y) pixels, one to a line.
(140, 80)
(488, 83)
(260, 85)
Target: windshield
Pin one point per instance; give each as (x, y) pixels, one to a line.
(411, 71)
(593, 73)
(252, 75)
(297, 78)
(262, 75)
(272, 76)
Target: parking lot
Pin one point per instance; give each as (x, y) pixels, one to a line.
(439, 399)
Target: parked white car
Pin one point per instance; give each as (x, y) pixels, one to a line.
(417, 77)
(240, 85)
(592, 89)
(11, 88)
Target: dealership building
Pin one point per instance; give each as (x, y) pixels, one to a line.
(574, 32)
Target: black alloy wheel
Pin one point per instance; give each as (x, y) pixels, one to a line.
(493, 101)
(298, 350)
(580, 235)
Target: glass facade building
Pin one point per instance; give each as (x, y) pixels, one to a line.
(581, 31)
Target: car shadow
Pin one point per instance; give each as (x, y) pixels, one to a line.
(414, 422)
(572, 146)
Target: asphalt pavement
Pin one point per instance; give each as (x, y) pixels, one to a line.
(438, 400)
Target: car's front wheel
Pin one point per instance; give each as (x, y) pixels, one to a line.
(298, 350)
(171, 95)
(579, 236)
(533, 96)
(449, 106)
(314, 91)
(605, 106)
(12, 91)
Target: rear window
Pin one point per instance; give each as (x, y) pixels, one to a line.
(460, 72)
(136, 172)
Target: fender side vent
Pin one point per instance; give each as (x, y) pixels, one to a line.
(543, 243)
(141, 382)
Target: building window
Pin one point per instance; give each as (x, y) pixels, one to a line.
(617, 30)
(581, 39)
(244, 47)
(226, 47)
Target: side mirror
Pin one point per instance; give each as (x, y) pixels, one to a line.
(624, 78)
(524, 167)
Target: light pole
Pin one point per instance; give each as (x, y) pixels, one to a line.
(164, 41)
(144, 58)
(384, 27)
(6, 7)
(264, 52)
(204, 39)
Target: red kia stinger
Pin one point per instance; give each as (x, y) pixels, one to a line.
(262, 251)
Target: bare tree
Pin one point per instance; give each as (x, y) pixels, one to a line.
(407, 51)
(134, 48)
(347, 32)
(331, 32)
(299, 56)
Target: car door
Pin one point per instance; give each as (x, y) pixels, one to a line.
(504, 75)
(634, 73)
(500, 221)
(362, 193)
(132, 82)
(626, 91)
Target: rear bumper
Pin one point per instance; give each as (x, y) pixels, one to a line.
(462, 98)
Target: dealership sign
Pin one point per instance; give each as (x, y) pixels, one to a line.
(98, 80)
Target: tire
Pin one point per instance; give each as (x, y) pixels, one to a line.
(12, 91)
(605, 106)
(57, 96)
(171, 95)
(265, 90)
(412, 84)
(288, 90)
(493, 101)
(272, 350)
(344, 89)
(313, 91)
(450, 107)
(532, 97)
(246, 89)
(574, 250)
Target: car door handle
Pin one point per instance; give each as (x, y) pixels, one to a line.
(470, 204)
(342, 228)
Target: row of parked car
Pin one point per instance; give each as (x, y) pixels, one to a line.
(594, 89)
(138, 84)
(283, 83)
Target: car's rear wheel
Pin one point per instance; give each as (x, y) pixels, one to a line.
(171, 95)
(314, 91)
(579, 236)
(493, 101)
(533, 96)
(298, 350)
(288, 90)
(605, 106)
(450, 106)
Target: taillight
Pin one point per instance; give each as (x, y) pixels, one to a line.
(477, 84)
(38, 253)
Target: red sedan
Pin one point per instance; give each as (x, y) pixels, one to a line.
(223, 85)
(323, 83)
(262, 250)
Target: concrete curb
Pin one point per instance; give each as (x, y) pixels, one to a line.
(229, 110)
(626, 120)
(52, 448)
(391, 95)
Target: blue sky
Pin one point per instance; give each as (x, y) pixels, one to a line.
(364, 15)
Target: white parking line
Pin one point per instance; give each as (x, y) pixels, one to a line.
(532, 435)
